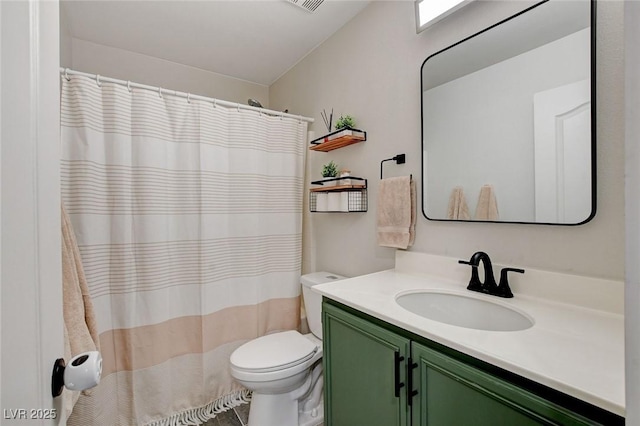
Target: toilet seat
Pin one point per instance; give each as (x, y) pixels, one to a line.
(273, 352)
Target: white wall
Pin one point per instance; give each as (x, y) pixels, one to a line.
(371, 70)
(632, 188)
(1, 199)
(463, 150)
(125, 65)
(66, 49)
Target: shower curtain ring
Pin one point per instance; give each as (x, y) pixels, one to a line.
(188, 98)
(98, 80)
(238, 106)
(214, 103)
(160, 92)
(129, 87)
(66, 74)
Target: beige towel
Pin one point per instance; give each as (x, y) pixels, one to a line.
(396, 215)
(80, 330)
(458, 209)
(487, 208)
(412, 227)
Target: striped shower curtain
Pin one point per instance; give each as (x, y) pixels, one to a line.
(188, 218)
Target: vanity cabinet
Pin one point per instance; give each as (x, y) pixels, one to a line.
(454, 393)
(362, 364)
(372, 367)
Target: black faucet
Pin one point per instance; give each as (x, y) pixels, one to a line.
(489, 285)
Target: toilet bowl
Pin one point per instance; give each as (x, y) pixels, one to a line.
(284, 370)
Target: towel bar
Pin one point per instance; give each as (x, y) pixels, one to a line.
(399, 159)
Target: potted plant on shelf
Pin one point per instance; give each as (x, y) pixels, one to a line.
(330, 170)
(345, 122)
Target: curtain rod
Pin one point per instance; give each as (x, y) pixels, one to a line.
(66, 72)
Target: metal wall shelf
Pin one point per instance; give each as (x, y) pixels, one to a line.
(339, 195)
(338, 139)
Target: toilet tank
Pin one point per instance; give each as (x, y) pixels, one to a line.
(313, 300)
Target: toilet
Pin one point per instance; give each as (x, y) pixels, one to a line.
(284, 370)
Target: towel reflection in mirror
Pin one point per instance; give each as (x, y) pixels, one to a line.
(486, 209)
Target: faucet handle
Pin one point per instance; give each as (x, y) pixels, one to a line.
(503, 288)
(474, 282)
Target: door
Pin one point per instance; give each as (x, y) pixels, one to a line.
(365, 367)
(31, 289)
(453, 393)
(562, 149)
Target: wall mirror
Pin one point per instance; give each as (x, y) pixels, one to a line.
(508, 123)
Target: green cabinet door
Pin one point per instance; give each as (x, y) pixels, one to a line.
(363, 364)
(454, 393)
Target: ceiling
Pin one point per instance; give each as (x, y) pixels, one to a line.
(257, 41)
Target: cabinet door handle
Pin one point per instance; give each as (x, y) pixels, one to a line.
(398, 384)
(410, 391)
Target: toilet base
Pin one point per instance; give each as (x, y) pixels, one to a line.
(314, 417)
(303, 406)
(273, 410)
(281, 410)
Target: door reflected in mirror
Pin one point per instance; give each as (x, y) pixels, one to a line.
(508, 120)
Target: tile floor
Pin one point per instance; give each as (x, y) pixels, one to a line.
(238, 416)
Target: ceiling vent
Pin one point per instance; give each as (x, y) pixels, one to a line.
(308, 5)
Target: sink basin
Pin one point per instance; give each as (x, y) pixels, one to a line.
(464, 311)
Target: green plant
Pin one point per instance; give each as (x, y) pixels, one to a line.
(345, 122)
(330, 170)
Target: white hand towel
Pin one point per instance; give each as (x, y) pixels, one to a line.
(322, 202)
(334, 202)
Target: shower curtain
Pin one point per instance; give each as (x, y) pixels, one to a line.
(188, 217)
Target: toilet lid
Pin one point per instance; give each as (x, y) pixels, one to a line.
(273, 352)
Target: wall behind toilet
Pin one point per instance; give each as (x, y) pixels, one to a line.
(371, 69)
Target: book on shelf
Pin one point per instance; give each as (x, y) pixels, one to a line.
(339, 134)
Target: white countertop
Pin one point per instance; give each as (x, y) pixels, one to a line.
(574, 349)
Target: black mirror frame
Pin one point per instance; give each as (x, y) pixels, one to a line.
(593, 123)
